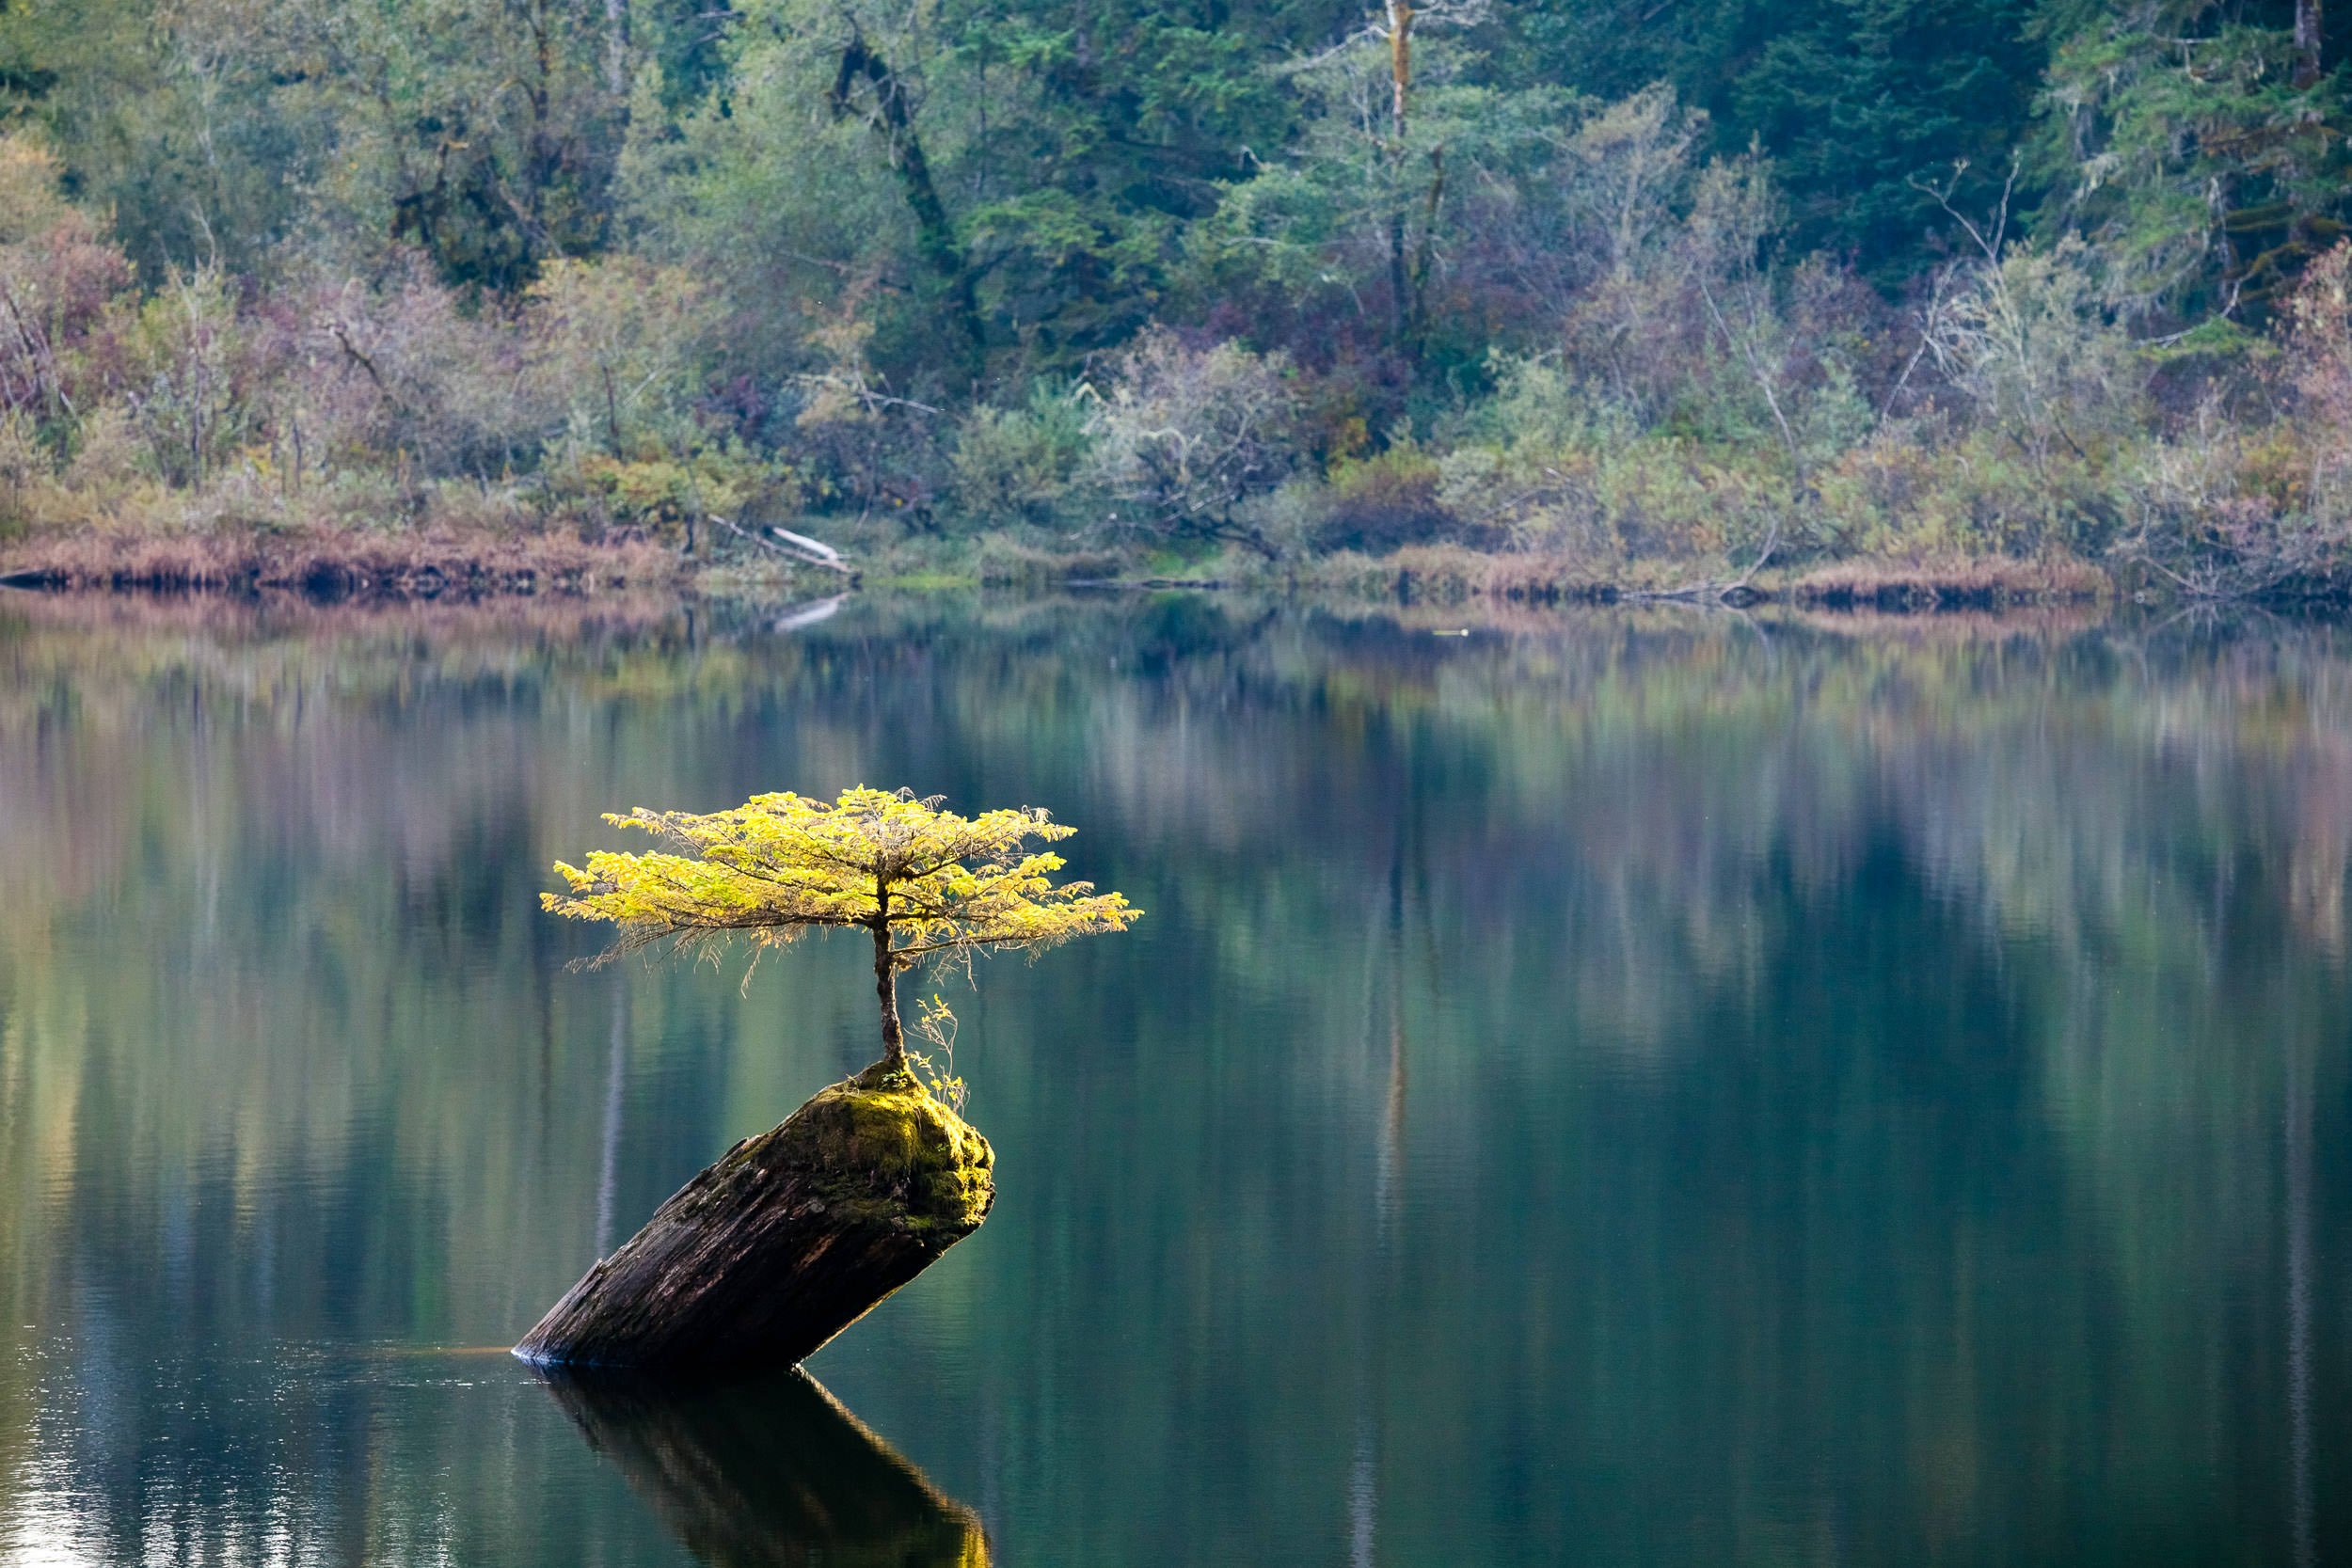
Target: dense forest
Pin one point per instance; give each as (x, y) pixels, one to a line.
(1673, 292)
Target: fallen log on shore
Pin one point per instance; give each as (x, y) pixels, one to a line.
(788, 1240)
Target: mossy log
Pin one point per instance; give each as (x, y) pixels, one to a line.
(769, 1473)
(790, 1238)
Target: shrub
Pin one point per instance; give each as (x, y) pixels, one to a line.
(2319, 371)
(2030, 341)
(404, 373)
(2223, 510)
(1024, 463)
(23, 465)
(60, 281)
(1187, 435)
(1381, 503)
(1919, 488)
(188, 374)
(615, 352)
(670, 498)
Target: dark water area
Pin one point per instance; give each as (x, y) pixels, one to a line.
(1601, 1089)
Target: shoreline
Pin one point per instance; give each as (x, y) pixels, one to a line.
(429, 565)
(1445, 575)
(335, 565)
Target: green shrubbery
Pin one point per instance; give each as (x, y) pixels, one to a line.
(1028, 463)
(1001, 291)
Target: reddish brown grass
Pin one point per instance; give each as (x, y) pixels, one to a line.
(342, 565)
(1990, 582)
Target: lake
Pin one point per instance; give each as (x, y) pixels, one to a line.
(1603, 1088)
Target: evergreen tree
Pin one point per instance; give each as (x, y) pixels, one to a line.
(2200, 147)
(1855, 101)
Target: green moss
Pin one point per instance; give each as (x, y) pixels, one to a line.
(879, 1148)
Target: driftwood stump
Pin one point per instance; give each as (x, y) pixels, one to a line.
(790, 1238)
(770, 1474)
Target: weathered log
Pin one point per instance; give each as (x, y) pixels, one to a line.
(769, 1473)
(790, 1238)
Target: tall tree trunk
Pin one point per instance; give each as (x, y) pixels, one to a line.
(2308, 40)
(1417, 316)
(1400, 66)
(1400, 84)
(942, 250)
(539, 155)
(616, 51)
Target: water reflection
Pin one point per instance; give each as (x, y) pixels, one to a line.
(1612, 1089)
(770, 1474)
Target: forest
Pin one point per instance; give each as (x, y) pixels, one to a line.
(1503, 292)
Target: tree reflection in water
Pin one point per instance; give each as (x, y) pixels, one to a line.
(1613, 1088)
(772, 1472)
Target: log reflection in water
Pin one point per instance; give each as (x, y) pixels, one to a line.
(775, 1471)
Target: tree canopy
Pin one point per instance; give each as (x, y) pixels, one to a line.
(926, 883)
(1614, 278)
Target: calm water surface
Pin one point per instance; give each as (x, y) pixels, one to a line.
(1602, 1089)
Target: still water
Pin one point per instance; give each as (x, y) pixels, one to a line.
(1601, 1089)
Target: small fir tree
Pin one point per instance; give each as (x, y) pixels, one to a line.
(924, 883)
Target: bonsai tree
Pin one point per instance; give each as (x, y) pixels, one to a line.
(923, 883)
(793, 1235)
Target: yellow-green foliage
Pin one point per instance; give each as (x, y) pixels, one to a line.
(779, 865)
(1602, 497)
(31, 197)
(1908, 495)
(661, 492)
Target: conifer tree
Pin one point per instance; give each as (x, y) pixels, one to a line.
(922, 882)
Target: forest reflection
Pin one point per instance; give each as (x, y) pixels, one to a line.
(1603, 1087)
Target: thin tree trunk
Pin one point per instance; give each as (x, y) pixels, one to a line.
(1400, 326)
(937, 234)
(616, 51)
(540, 95)
(886, 991)
(2308, 40)
(1400, 66)
(1425, 255)
(1400, 82)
